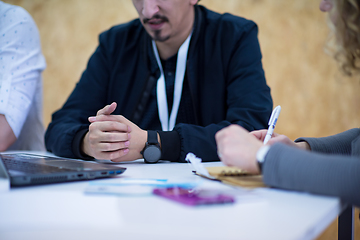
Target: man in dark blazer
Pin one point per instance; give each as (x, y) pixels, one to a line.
(162, 85)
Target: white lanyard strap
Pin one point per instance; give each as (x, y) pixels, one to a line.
(166, 124)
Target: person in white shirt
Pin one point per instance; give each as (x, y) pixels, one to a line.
(21, 65)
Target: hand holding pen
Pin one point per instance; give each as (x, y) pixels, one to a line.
(236, 146)
(272, 122)
(266, 135)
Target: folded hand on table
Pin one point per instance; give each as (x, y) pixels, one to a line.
(113, 137)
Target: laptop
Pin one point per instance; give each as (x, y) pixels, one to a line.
(24, 169)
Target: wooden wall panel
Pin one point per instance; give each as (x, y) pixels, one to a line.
(357, 223)
(316, 99)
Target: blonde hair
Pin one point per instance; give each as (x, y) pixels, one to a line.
(347, 34)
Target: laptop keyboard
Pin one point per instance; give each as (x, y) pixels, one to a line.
(29, 167)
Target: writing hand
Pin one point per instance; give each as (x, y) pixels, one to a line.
(236, 147)
(260, 134)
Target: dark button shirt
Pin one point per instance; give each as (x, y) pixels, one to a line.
(169, 68)
(150, 119)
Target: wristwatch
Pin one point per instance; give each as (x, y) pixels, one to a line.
(260, 156)
(151, 151)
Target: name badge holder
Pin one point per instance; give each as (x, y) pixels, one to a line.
(166, 123)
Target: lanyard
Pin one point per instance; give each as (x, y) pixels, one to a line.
(166, 123)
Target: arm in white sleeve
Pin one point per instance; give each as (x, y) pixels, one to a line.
(21, 64)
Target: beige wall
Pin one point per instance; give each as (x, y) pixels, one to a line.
(316, 100)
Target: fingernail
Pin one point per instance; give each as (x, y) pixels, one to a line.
(126, 151)
(129, 129)
(129, 136)
(92, 119)
(127, 143)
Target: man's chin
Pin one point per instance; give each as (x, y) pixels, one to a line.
(158, 37)
(163, 39)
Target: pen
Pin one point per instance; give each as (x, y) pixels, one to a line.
(272, 122)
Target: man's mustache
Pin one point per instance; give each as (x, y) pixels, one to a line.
(156, 17)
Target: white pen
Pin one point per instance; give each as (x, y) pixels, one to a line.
(272, 122)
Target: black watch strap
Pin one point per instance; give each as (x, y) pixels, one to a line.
(152, 151)
(152, 137)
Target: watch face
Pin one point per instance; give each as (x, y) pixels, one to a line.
(152, 154)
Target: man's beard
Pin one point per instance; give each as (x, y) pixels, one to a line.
(157, 33)
(157, 36)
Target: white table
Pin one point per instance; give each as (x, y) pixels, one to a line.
(64, 211)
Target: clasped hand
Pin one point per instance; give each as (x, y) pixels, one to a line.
(113, 137)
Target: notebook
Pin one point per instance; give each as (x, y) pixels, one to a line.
(236, 176)
(29, 169)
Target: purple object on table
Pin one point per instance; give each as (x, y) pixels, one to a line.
(193, 197)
